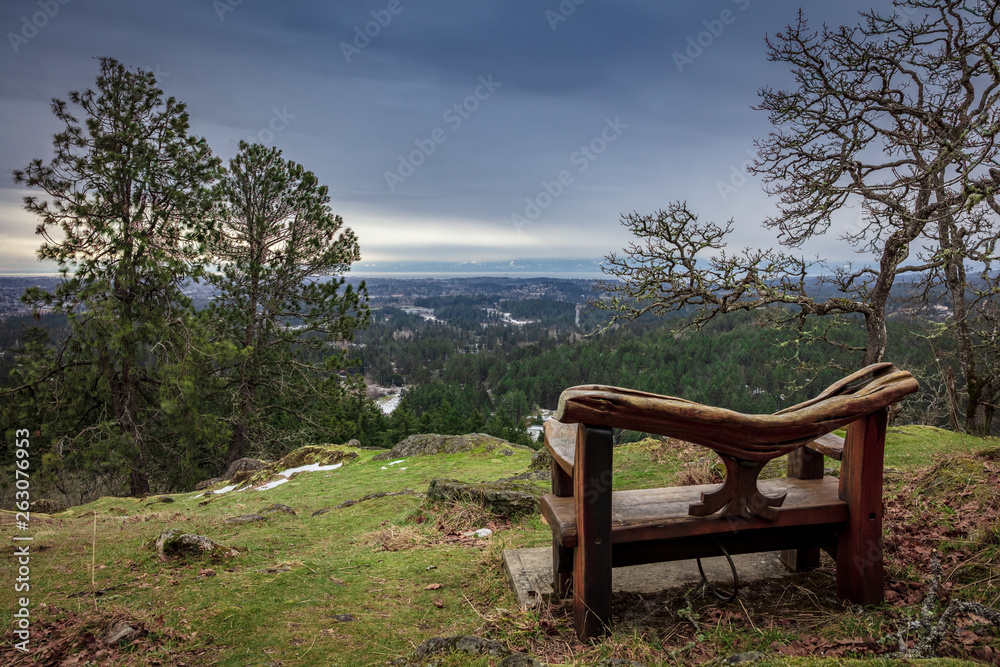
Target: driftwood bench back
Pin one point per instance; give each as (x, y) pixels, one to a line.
(595, 529)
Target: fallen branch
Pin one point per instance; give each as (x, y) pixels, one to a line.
(930, 632)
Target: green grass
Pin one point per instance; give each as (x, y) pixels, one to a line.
(275, 602)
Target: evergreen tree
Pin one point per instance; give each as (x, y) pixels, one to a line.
(124, 216)
(281, 254)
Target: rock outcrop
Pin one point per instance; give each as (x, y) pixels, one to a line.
(507, 499)
(46, 506)
(432, 443)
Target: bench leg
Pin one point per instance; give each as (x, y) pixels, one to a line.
(860, 576)
(562, 557)
(803, 463)
(592, 556)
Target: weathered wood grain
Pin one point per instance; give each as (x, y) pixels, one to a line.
(860, 574)
(654, 514)
(748, 437)
(560, 440)
(592, 513)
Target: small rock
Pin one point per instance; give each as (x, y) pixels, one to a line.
(246, 518)
(46, 506)
(320, 512)
(277, 508)
(519, 660)
(506, 452)
(353, 442)
(175, 544)
(342, 618)
(462, 643)
(121, 633)
(163, 499)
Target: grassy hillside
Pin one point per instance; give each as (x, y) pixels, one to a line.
(367, 583)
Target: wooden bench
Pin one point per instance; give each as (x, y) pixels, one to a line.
(595, 529)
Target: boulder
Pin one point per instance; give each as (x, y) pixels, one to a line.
(541, 460)
(46, 506)
(175, 544)
(507, 499)
(201, 486)
(353, 442)
(240, 465)
(432, 443)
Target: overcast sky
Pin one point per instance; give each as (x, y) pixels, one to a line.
(447, 132)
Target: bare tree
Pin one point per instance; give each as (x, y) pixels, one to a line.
(894, 119)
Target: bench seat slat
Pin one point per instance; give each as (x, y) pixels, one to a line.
(831, 445)
(657, 514)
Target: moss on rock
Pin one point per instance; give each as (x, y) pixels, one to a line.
(951, 475)
(324, 455)
(175, 544)
(510, 498)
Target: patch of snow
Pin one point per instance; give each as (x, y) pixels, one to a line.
(384, 468)
(482, 532)
(271, 485)
(390, 403)
(395, 462)
(312, 467)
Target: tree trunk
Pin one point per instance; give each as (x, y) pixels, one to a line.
(241, 432)
(877, 337)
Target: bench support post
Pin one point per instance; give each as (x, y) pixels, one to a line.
(860, 576)
(803, 463)
(592, 556)
(562, 557)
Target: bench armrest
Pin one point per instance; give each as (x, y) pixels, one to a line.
(746, 437)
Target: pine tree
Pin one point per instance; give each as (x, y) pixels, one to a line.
(281, 254)
(124, 216)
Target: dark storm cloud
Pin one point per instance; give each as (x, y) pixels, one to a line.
(362, 110)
